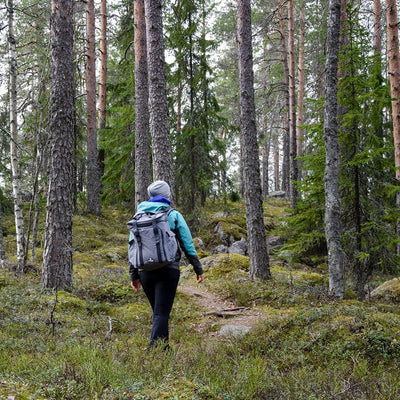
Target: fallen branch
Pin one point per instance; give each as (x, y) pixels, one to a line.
(227, 312)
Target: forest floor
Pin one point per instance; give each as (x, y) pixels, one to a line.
(227, 317)
(232, 338)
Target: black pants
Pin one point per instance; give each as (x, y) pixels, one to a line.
(160, 288)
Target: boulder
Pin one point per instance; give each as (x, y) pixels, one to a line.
(223, 236)
(199, 244)
(277, 194)
(239, 247)
(234, 330)
(275, 242)
(389, 290)
(219, 249)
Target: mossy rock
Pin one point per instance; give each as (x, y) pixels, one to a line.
(227, 262)
(297, 276)
(389, 290)
(116, 253)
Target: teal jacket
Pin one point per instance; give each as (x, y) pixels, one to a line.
(181, 229)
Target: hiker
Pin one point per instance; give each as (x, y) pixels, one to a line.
(160, 284)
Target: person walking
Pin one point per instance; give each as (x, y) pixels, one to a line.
(160, 285)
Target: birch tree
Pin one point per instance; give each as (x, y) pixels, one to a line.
(259, 259)
(14, 143)
(331, 175)
(142, 130)
(57, 256)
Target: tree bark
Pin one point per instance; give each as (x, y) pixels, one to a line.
(293, 194)
(57, 257)
(300, 93)
(276, 163)
(265, 158)
(3, 255)
(377, 41)
(259, 259)
(93, 170)
(393, 55)
(103, 66)
(142, 130)
(102, 120)
(285, 114)
(159, 124)
(16, 174)
(332, 198)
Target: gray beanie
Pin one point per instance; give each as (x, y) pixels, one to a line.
(159, 188)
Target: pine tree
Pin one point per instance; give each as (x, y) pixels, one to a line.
(259, 260)
(159, 122)
(142, 130)
(57, 257)
(393, 55)
(93, 170)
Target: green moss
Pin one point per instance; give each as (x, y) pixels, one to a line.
(296, 276)
(68, 301)
(389, 290)
(110, 292)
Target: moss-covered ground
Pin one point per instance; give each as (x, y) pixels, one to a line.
(91, 343)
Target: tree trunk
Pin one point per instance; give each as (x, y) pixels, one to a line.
(331, 177)
(285, 155)
(265, 158)
(3, 255)
(394, 78)
(285, 114)
(276, 163)
(102, 121)
(14, 143)
(57, 257)
(161, 141)
(293, 194)
(377, 40)
(259, 259)
(142, 130)
(103, 66)
(300, 93)
(93, 170)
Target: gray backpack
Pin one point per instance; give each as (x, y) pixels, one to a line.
(152, 244)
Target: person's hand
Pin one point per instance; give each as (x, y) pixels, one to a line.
(200, 278)
(135, 285)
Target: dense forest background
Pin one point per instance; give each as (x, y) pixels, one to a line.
(289, 40)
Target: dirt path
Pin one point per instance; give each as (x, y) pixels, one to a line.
(226, 317)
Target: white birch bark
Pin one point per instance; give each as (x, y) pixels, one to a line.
(16, 176)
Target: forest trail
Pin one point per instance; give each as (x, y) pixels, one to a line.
(221, 317)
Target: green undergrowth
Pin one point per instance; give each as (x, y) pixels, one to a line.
(91, 342)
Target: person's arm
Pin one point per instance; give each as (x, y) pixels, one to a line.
(134, 275)
(186, 242)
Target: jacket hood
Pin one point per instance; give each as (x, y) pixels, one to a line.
(152, 206)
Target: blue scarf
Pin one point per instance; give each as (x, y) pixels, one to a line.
(160, 199)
